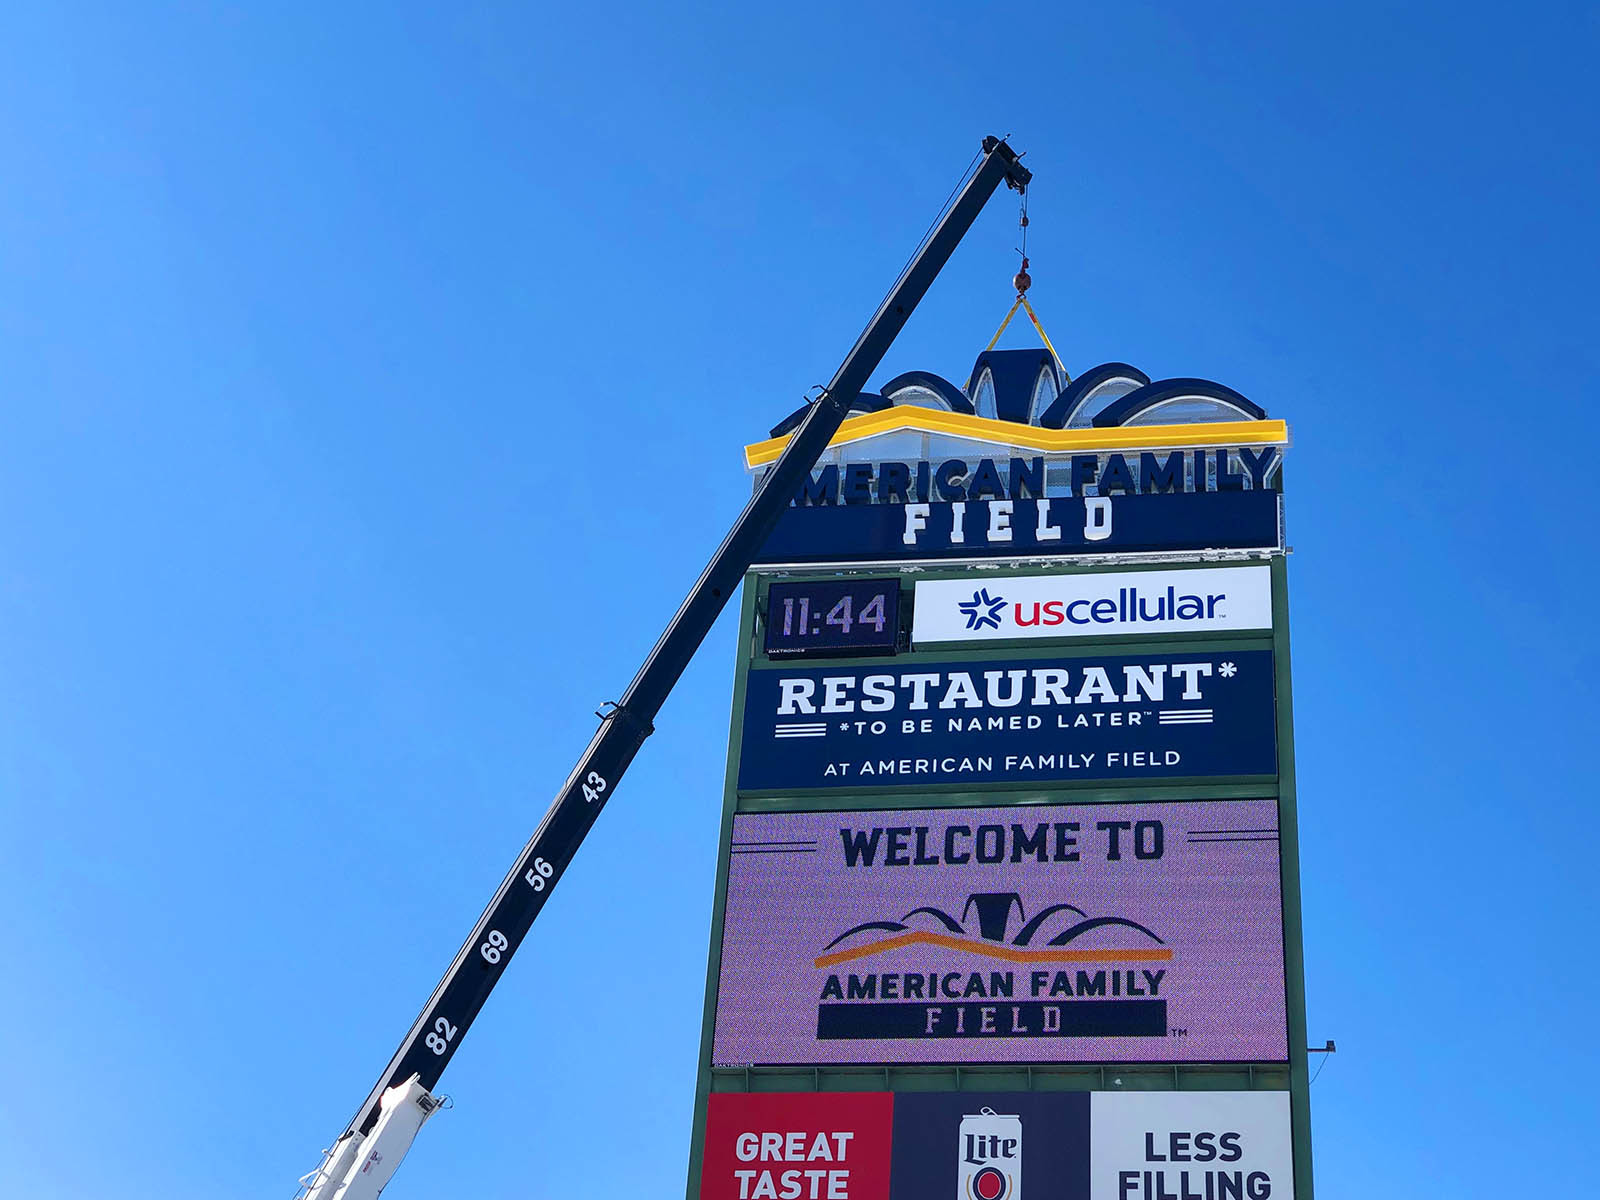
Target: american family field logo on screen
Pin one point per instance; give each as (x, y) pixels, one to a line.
(1056, 972)
(1075, 933)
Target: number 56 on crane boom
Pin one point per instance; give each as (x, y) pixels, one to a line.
(364, 1157)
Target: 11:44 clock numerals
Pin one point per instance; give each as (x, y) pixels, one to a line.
(840, 616)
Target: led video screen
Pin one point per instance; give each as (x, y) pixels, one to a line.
(1085, 933)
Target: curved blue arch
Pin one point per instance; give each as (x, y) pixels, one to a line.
(1015, 374)
(1060, 413)
(937, 384)
(864, 403)
(1143, 399)
(1082, 927)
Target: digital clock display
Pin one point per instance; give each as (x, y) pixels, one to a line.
(839, 617)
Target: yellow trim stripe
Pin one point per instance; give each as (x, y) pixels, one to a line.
(921, 937)
(1009, 433)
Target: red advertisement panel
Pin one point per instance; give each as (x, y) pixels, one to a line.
(798, 1146)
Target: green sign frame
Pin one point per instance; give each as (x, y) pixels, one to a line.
(1271, 1076)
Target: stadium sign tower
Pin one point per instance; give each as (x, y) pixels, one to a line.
(1007, 899)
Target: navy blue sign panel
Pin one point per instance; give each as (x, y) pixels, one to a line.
(833, 617)
(1030, 721)
(987, 1146)
(991, 528)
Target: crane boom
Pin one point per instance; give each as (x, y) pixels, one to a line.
(364, 1157)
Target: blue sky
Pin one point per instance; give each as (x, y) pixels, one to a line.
(374, 381)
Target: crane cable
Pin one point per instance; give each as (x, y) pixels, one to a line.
(1022, 281)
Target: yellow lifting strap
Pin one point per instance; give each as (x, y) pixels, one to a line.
(1034, 317)
(1021, 303)
(1015, 304)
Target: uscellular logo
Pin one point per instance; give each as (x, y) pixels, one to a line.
(1127, 606)
(983, 610)
(1208, 598)
(990, 1162)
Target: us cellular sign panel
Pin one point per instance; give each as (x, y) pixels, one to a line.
(1084, 933)
(1008, 607)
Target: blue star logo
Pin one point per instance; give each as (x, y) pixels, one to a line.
(983, 610)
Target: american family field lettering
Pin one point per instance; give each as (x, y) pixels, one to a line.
(956, 479)
(1087, 525)
(960, 985)
(996, 521)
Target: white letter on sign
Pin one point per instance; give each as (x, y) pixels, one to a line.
(795, 696)
(1096, 518)
(916, 521)
(1044, 531)
(1000, 521)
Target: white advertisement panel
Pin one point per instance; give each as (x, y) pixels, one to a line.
(1163, 1145)
(992, 608)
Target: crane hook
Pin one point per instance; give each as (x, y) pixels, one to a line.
(1022, 281)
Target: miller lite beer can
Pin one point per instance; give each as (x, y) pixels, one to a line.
(990, 1166)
